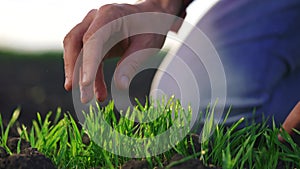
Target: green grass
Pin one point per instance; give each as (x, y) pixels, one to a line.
(254, 146)
(7, 54)
(5, 132)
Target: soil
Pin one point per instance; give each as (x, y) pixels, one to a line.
(28, 158)
(143, 164)
(190, 164)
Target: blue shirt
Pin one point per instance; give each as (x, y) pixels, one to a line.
(259, 44)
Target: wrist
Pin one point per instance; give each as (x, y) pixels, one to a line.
(172, 7)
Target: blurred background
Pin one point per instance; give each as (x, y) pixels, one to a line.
(31, 52)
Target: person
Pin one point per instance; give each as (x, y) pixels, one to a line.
(257, 42)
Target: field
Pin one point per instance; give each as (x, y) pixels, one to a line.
(56, 140)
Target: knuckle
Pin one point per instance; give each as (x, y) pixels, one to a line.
(71, 36)
(109, 8)
(75, 34)
(91, 12)
(115, 11)
(67, 39)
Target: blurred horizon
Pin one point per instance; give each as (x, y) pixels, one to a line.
(40, 25)
(31, 53)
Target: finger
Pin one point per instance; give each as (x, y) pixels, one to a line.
(72, 47)
(292, 121)
(95, 38)
(94, 47)
(141, 48)
(85, 94)
(100, 86)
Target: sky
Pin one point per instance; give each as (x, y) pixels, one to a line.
(36, 25)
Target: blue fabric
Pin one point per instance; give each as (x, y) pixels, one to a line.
(259, 44)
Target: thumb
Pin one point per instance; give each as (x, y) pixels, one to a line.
(292, 121)
(131, 64)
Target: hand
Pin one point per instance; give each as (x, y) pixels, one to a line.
(86, 38)
(292, 121)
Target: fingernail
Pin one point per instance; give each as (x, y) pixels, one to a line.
(124, 82)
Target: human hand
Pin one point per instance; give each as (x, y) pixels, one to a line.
(86, 38)
(292, 121)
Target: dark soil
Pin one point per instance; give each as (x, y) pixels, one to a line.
(28, 158)
(136, 164)
(143, 164)
(189, 164)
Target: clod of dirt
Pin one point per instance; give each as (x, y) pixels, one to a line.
(27, 159)
(189, 164)
(23, 161)
(136, 164)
